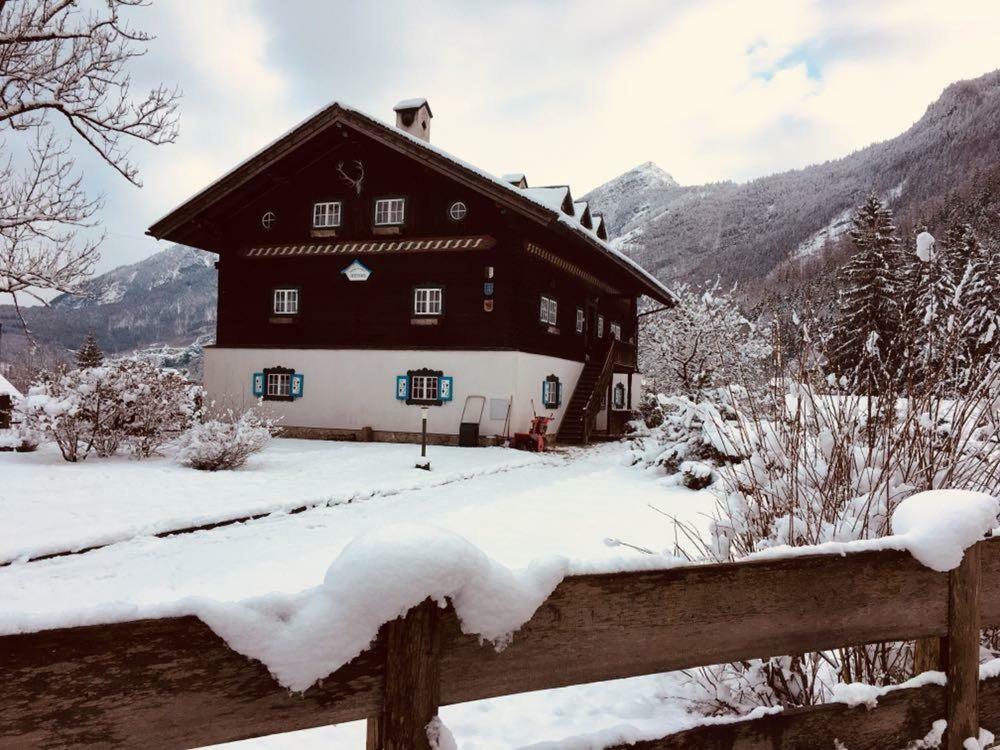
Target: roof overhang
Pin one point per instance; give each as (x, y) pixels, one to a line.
(496, 189)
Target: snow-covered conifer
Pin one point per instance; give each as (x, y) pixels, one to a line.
(89, 354)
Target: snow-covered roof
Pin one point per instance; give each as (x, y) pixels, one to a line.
(581, 209)
(413, 104)
(515, 178)
(7, 389)
(555, 198)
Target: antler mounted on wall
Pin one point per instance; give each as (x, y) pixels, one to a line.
(356, 182)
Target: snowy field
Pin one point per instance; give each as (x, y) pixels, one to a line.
(516, 507)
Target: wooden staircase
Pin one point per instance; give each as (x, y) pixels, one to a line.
(578, 421)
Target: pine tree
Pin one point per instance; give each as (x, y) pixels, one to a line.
(931, 321)
(872, 287)
(980, 298)
(89, 354)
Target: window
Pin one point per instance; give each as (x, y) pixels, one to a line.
(326, 215)
(279, 384)
(286, 301)
(390, 211)
(618, 396)
(549, 311)
(579, 320)
(424, 387)
(616, 331)
(551, 392)
(600, 326)
(457, 211)
(428, 300)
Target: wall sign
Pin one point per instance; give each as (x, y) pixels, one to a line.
(488, 289)
(357, 271)
(487, 305)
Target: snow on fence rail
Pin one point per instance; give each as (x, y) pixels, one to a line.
(172, 683)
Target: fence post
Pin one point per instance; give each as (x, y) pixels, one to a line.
(960, 650)
(412, 690)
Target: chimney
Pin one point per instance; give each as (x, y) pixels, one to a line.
(414, 116)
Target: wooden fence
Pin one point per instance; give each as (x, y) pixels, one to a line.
(172, 683)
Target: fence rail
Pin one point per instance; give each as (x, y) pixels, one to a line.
(172, 683)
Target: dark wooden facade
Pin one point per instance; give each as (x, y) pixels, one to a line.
(378, 313)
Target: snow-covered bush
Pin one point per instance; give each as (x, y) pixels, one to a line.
(701, 344)
(103, 408)
(226, 442)
(18, 439)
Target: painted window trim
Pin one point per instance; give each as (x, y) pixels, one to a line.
(600, 326)
(278, 370)
(551, 382)
(427, 287)
(386, 198)
(274, 299)
(615, 390)
(340, 214)
(423, 372)
(581, 320)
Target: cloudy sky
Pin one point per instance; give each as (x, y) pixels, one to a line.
(573, 91)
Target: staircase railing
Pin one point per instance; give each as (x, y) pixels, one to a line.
(593, 405)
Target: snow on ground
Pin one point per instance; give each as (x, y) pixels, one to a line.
(49, 505)
(514, 517)
(517, 509)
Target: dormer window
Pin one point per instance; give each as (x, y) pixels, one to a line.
(390, 212)
(327, 215)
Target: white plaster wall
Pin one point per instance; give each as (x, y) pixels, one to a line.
(355, 388)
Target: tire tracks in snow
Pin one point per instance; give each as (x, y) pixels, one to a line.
(554, 459)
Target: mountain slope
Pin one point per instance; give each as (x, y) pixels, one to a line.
(752, 230)
(168, 298)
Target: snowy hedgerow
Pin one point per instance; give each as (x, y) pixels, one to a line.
(227, 442)
(123, 403)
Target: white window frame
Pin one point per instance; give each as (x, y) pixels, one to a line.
(390, 212)
(580, 319)
(425, 388)
(428, 300)
(616, 330)
(548, 312)
(279, 384)
(285, 301)
(328, 214)
(458, 211)
(600, 326)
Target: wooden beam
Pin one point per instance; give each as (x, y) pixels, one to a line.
(961, 651)
(161, 683)
(412, 691)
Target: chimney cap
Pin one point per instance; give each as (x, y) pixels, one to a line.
(417, 103)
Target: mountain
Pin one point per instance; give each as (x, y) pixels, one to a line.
(166, 301)
(766, 228)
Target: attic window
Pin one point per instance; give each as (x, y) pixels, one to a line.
(327, 215)
(390, 211)
(457, 211)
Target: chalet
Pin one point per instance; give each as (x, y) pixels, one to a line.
(364, 272)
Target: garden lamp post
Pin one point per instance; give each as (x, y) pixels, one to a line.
(423, 463)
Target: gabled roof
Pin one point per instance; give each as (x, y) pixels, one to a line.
(413, 104)
(6, 389)
(549, 206)
(517, 179)
(581, 209)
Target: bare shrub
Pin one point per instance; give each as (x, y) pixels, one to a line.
(227, 442)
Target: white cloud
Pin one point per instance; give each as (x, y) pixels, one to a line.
(564, 91)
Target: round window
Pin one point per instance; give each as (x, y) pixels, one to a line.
(268, 219)
(457, 211)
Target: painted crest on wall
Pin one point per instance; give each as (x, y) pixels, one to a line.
(357, 271)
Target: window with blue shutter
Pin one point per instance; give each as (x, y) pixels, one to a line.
(278, 384)
(551, 392)
(445, 389)
(425, 387)
(298, 385)
(402, 387)
(257, 384)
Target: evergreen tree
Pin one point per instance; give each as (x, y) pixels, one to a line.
(981, 301)
(872, 287)
(90, 354)
(931, 322)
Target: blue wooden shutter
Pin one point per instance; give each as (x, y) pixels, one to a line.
(257, 384)
(445, 389)
(402, 387)
(298, 385)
